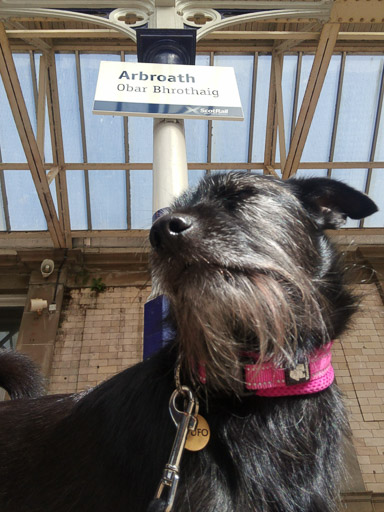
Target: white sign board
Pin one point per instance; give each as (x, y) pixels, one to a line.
(167, 90)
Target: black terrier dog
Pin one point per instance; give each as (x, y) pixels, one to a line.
(257, 293)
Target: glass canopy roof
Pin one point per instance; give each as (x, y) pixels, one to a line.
(104, 193)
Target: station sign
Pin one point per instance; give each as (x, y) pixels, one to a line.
(167, 90)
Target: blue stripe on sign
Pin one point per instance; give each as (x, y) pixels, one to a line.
(157, 108)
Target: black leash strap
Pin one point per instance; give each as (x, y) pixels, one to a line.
(184, 421)
(157, 505)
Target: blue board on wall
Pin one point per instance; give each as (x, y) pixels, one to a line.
(156, 332)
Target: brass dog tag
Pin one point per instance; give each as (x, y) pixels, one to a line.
(198, 438)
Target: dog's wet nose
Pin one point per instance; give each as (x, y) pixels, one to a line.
(178, 224)
(168, 228)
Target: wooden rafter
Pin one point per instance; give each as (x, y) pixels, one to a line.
(253, 106)
(132, 241)
(27, 138)
(271, 128)
(83, 138)
(57, 147)
(34, 78)
(40, 134)
(277, 60)
(34, 41)
(289, 43)
(296, 93)
(306, 34)
(110, 166)
(315, 83)
(4, 199)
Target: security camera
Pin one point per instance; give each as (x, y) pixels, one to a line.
(47, 268)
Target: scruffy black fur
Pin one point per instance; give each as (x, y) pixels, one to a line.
(19, 376)
(246, 265)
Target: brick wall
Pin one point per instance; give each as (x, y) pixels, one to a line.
(99, 335)
(359, 365)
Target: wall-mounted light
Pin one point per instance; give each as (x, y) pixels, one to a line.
(47, 267)
(38, 305)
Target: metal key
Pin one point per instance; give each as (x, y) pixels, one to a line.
(184, 421)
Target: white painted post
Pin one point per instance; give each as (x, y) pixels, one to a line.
(170, 169)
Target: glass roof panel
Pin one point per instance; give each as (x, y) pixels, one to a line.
(376, 193)
(196, 136)
(104, 137)
(261, 107)
(140, 130)
(47, 133)
(306, 65)
(69, 106)
(24, 73)
(194, 176)
(196, 131)
(47, 138)
(288, 87)
(77, 199)
(230, 138)
(11, 148)
(288, 81)
(104, 134)
(140, 139)
(318, 145)
(141, 199)
(52, 188)
(108, 199)
(25, 212)
(379, 153)
(359, 101)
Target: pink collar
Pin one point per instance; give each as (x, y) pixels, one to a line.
(310, 376)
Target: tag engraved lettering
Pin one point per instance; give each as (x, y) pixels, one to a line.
(198, 439)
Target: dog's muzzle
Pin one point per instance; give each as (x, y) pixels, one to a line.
(169, 230)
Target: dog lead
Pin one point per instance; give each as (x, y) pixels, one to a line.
(185, 422)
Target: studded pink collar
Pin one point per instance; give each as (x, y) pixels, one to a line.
(309, 376)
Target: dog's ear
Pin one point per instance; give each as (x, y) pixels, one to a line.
(331, 202)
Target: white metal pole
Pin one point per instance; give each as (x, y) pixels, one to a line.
(170, 169)
(170, 174)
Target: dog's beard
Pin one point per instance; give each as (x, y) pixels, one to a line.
(221, 314)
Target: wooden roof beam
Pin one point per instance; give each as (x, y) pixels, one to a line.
(40, 114)
(100, 166)
(271, 128)
(312, 93)
(288, 43)
(27, 138)
(34, 41)
(32, 35)
(57, 147)
(277, 60)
